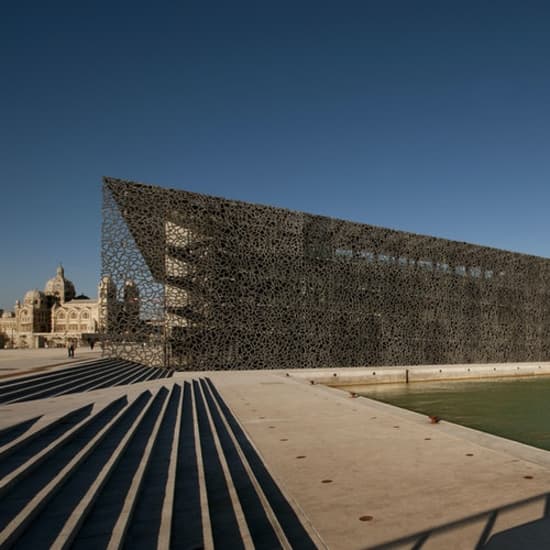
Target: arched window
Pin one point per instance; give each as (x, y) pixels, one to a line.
(74, 315)
(61, 315)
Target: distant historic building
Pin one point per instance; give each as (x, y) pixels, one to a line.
(55, 316)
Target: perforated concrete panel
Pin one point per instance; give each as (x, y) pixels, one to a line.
(207, 283)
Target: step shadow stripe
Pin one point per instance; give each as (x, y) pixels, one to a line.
(225, 528)
(21, 380)
(11, 433)
(144, 526)
(295, 532)
(56, 471)
(187, 525)
(30, 447)
(261, 530)
(54, 522)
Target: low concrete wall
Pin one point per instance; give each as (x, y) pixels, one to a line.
(418, 373)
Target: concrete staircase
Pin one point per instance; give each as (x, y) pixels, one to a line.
(91, 375)
(168, 468)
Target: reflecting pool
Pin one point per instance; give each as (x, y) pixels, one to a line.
(517, 408)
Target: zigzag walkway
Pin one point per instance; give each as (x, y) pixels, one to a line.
(170, 468)
(88, 376)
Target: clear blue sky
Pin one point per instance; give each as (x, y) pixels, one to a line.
(427, 116)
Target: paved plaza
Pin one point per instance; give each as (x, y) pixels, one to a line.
(275, 459)
(15, 362)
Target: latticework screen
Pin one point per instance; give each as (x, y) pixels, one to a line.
(206, 283)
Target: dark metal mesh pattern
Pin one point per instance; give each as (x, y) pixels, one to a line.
(227, 285)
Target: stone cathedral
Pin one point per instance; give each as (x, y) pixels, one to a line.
(57, 315)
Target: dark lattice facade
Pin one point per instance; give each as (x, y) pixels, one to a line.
(222, 284)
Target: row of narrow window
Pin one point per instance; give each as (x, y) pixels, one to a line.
(61, 315)
(60, 327)
(427, 265)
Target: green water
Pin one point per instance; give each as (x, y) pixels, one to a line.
(517, 408)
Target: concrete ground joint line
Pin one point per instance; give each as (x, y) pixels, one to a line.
(70, 530)
(125, 516)
(233, 495)
(257, 487)
(167, 514)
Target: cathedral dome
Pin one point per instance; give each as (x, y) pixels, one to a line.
(34, 298)
(60, 287)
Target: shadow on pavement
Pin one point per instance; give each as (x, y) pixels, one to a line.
(533, 534)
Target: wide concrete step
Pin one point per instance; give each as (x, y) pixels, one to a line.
(26, 454)
(170, 468)
(92, 375)
(17, 430)
(55, 386)
(79, 367)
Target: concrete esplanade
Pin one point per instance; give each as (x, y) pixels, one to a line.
(313, 465)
